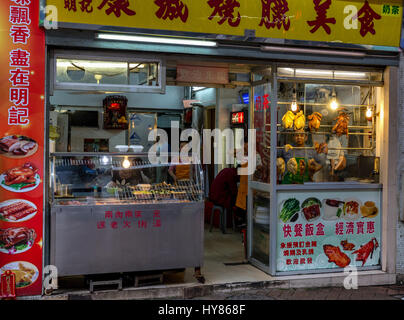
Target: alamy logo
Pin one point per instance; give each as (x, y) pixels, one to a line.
(351, 279)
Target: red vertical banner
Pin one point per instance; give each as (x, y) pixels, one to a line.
(22, 129)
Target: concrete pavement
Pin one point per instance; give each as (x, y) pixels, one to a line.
(390, 292)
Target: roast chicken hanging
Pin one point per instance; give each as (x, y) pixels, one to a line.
(288, 119)
(341, 127)
(300, 121)
(314, 121)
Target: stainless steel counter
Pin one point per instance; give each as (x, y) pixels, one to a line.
(125, 238)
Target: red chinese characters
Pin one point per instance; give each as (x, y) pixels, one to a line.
(22, 2)
(18, 116)
(116, 7)
(262, 103)
(19, 58)
(19, 96)
(225, 10)
(129, 219)
(86, 6)
(321, 19)
(366, 15)
(171, 9)
(298, 230)
(71, 5)
(294, 251)
(274, 14)
(19, 17)
(20, 34)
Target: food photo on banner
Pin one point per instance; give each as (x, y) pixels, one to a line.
(328, 229)
(21, 147)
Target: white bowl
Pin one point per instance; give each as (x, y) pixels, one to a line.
(122, 148)
(136, 148)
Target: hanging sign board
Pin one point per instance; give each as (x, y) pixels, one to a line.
(22, 145)
(201, 74)
(368, 22)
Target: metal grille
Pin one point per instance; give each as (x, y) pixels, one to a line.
(184, 190)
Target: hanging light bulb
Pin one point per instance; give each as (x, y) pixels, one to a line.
(369, 111)
(126, 163)
(369, 114)
(334, 103)
(104, 160)
(294, 106)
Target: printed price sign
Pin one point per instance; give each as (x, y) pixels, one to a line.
(22, 144)
(328, 229)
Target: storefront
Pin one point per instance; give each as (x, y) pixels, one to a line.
(323, 195)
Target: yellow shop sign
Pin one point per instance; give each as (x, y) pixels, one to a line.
(370, 22)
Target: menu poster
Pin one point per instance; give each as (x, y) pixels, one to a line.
(22, 144)
(328, 229)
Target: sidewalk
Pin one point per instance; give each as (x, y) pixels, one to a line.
(238, 291)
(388, 292)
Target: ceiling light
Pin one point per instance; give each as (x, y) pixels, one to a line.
(306, 72)
(313, 51)
(159, 40)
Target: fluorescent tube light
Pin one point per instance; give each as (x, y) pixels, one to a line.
(184, 42)
(313, 51)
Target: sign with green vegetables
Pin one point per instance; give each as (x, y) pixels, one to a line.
(328, 229)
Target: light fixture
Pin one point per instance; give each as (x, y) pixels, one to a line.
(159, 40)
(294, 107)
(104, 160)
(313, 51)
(334, 103)
(126, 163)
(98, 77)
(369, 114)
(198, 88)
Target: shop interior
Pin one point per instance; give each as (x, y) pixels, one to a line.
(77, 124)
(81, 121)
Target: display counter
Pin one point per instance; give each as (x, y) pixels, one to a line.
(320, 174)
(120, 213)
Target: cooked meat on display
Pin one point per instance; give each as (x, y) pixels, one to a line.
(335, 255)
(16, 145)
(24, 174)
(17, 210)
(13, 236)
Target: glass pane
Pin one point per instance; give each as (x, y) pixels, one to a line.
(260, 228)
(329, 74)
(106, 72)
(331, 136)
(105, 179)
(262, 123)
